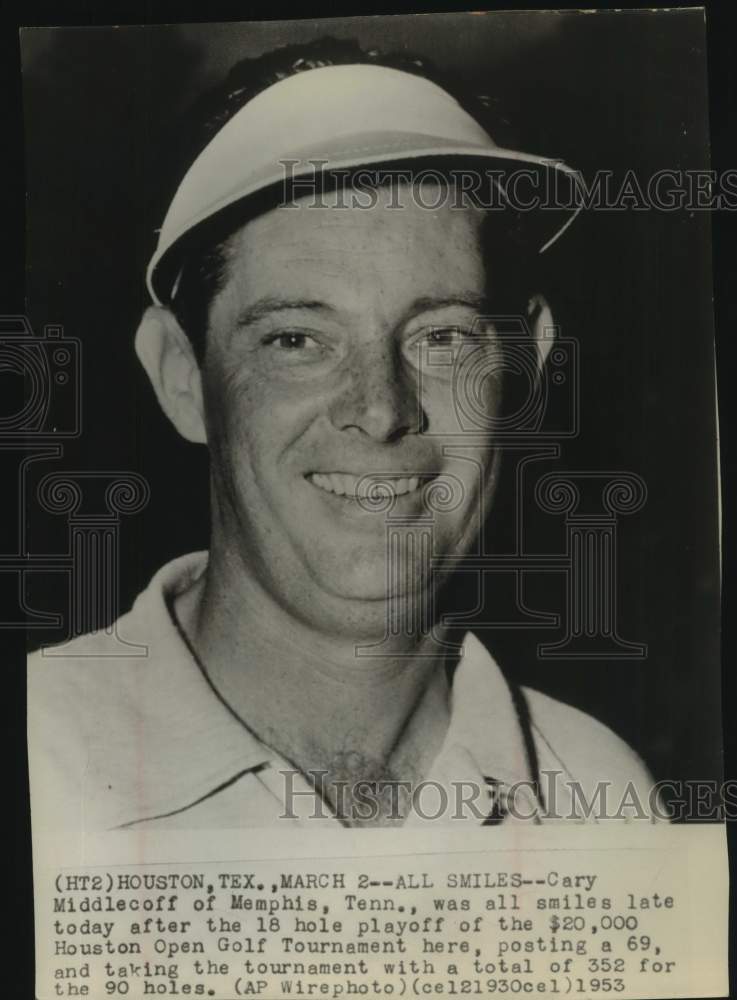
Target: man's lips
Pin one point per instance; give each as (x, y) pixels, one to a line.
(367, 486)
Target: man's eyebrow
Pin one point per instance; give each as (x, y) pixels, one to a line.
(270, 304)
(274, 304)
(471, 300)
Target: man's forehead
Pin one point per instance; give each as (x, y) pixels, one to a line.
(305, 244)
(348, 216)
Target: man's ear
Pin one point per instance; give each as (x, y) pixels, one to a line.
(165, 351)
(542, 327)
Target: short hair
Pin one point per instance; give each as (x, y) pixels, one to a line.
(204, 263)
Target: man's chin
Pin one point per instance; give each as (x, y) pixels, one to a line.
(371, 578)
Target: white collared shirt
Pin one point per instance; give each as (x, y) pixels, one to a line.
(127, 735)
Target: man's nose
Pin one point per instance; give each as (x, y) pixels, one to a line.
(380, 397)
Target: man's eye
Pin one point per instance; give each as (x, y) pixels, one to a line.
(446, 335)
(291, 341)
(451, 337)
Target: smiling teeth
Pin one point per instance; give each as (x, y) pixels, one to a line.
(347, 485)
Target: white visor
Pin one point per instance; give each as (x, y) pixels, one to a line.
(342, 117)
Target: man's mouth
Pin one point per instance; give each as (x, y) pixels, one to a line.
(354, 487)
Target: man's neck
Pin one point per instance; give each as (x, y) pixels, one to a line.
(308, 695)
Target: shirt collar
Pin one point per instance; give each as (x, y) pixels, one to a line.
(188, 744)
(484, 720)
(484, 752)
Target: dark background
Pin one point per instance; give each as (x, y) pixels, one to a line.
(597, 85)
(612, 91)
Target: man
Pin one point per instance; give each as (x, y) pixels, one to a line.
(309, 324)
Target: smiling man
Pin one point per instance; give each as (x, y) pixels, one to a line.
(309, 322)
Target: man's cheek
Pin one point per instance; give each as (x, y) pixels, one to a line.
(234, 403)
(258, 441)
(462, 405)
(440, 401)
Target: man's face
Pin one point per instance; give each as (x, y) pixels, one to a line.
(329, 366)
